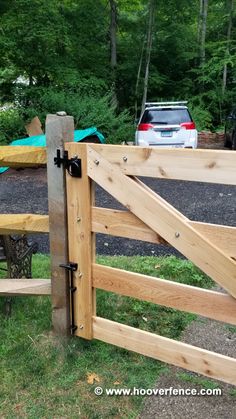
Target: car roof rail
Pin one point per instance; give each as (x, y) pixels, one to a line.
(182, 102)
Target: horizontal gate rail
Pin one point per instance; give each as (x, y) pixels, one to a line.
(181, 354)
(212, 304)
(22, 156)
(125, 224)
(214, 166)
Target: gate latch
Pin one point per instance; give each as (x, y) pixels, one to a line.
(71, 267)
(73, 165)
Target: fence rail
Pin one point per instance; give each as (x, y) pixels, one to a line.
(22, 156)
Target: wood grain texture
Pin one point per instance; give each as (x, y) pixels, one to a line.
(23, 287)
(153, 211)
(22, 156)
(58, 130)
(122, 224)
(81, 245)
(23, 223)
(212, 304)
(214, 166)
(192, 358)
(125, 224)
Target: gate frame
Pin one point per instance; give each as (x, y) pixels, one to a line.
(115, 169)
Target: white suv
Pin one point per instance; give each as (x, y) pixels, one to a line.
(166, 124)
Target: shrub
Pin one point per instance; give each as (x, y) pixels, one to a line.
(11, 126)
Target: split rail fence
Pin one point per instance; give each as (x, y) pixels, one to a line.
(74, 220)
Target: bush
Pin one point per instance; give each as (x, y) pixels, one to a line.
(11, 126)
(87, 110)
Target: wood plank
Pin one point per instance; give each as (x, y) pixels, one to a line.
(81, 243)
(23, 223)
(34, 127)
(58, 130)
(22, 156)
(165, 222)
(125, 224)
(212, 304)
(223, 236)
(214, 166)
(23, 287)
(192, 358)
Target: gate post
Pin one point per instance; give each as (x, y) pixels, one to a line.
(59, 129)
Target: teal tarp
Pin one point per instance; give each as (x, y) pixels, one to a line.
(40, 140)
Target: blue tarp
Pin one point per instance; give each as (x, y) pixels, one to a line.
(40, 140)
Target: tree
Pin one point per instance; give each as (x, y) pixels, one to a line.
(202, 31)
(230, 4)
(113, 48)
(151, 8)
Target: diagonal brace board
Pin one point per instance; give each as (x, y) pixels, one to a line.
(158, 215)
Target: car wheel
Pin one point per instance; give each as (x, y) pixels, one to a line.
(228, 141)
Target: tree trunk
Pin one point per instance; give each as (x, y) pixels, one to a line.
(138, 79)
(203, 32)
(227, 51)
(113, 58)
(148, 50)
(199, 31)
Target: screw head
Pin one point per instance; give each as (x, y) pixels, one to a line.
(81, 326)
(96, 162)
(125, 159)
(177, 234)
(78, 219)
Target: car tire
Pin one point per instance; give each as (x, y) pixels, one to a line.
(228, 141)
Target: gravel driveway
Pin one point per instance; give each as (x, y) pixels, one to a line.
(26, 191)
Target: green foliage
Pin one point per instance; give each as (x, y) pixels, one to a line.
(87, 109)
(11, 126)
(202, 117)
(64, 47)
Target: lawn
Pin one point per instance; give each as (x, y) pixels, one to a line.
(45, 377)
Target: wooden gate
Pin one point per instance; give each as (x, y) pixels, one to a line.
(150, 218)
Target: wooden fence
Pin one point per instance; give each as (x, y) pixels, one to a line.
(74, 221)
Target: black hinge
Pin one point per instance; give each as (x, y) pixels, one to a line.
(71, 267)
(73, 165)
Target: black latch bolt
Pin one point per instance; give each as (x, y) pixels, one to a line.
(73, 165)
(71, 267)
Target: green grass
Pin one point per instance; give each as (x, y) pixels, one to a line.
(44, 377)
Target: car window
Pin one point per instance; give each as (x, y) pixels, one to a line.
(166, 116)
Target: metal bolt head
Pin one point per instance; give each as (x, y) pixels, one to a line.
(96, 162)
(80, 275)
(125, 159)
(177, 234)
(81, 326)
(78, 219)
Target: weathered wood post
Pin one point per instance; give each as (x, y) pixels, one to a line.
(59, 129)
